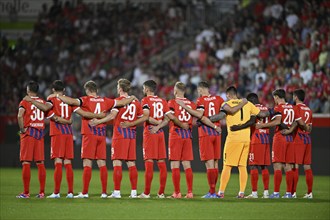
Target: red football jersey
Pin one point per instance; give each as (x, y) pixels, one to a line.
(63, 110)
(288, 112)
(33, 117)
(183, 116)
(211, 106)
(96, 105)
(157, 109)
(260, 135)
(129, 113)
(306, 115)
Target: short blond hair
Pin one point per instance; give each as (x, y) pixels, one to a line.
(124, 84)
(91, 86)
(180, 86)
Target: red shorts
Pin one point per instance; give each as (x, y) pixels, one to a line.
(61, 146)
(154, 146)
(259, 154)
(283, 149)
(210, 147)
(123, 149)
(31, 149)
(303, 149)
(93, 147)
(180, 149)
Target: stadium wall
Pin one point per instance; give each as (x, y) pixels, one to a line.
(9, 141)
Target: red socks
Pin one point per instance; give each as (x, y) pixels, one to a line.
(148, 175)
(57, 177)
(265, 178)
(189, 179)
(295, 179)
(309, 180)
(162, 176)
(176, 179)
(211, 177)
(133, 177)
(69, 177)
(87, 175)
(277, 180)
(104, 178)
(26, 176)
(216, 175)
(117, 177)
(42, 177)
(289, 180)
(254, 179)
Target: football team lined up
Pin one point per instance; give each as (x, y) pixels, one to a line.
(247, 142)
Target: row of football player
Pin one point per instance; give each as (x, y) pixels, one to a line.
(127, 112)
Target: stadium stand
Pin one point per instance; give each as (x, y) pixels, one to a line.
(271, 44)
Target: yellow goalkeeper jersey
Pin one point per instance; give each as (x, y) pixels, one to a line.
(240, 117)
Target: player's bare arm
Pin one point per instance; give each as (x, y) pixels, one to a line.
(144, 118)
(289, 130)
(126, 101)
(163, 123)
(276, 121)
(153, 121)
(247, 124)
(61, 120)
(90, 115)
(232, 110)
(195, 113)
(43, 107)
(66, 99)
(218, 117)
(109, 117)
(210, 124)
(177, 121)
(263, 114)
(303, 125)
(20, 120)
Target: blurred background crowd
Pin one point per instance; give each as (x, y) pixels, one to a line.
(258, 47)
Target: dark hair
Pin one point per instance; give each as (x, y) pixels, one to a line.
(58, 86)
(180, 86)
(33, 86)
(91, 86)
(252, 97)
(152, 85)
(300, 94)
(232, 90)
(124, 84)
(203, 84)
(280, 93)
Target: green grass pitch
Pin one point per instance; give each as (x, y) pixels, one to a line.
(125, 208)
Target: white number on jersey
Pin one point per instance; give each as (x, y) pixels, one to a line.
(306, 116)
(97, 108)
(129, 113)
(211, 109)
(288, 120)
(37, 114)
(158, 109)
(184, 115)
(64, 110)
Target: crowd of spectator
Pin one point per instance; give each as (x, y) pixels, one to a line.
(76, 43)
(271, 44)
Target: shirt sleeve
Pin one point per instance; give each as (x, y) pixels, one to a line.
(200, 104)
(145, 104)
(171, 106)
(139, 112)
(254, 110)
(22, 104)
(277, 112)
(166, 109)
